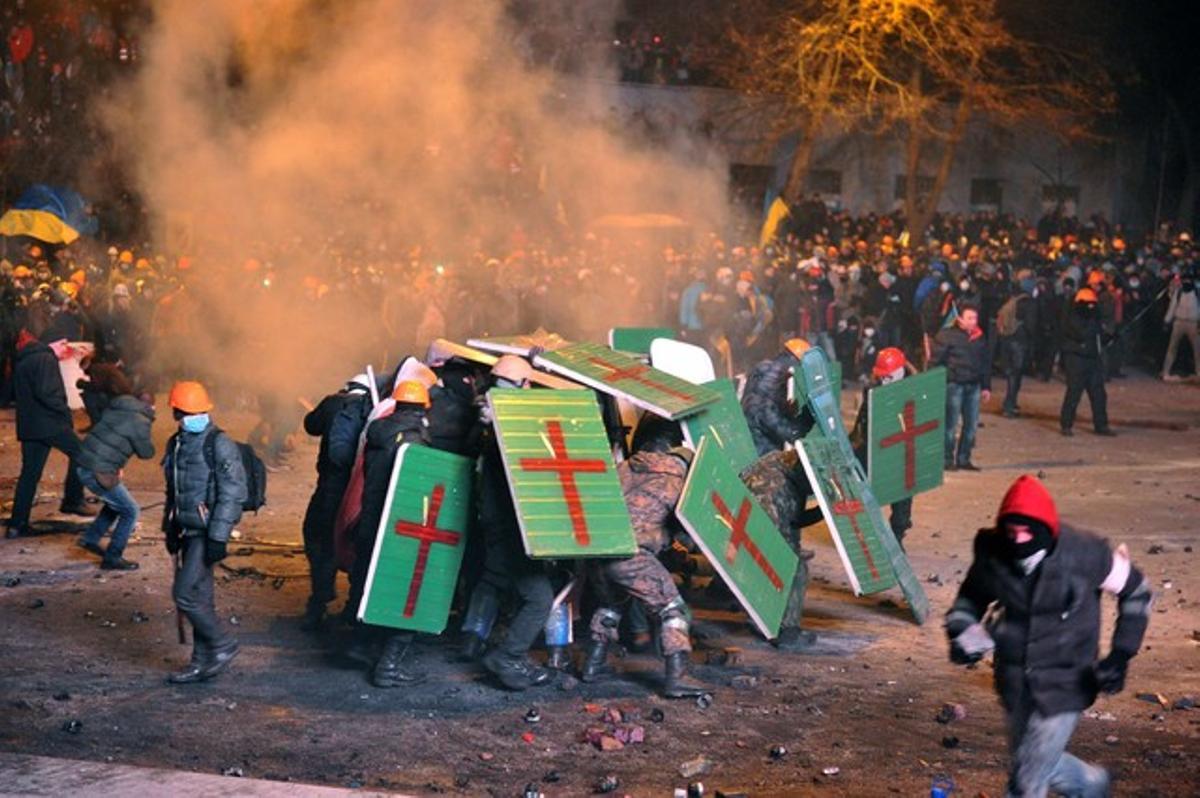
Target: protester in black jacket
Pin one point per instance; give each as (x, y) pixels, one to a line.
(1015, 326)
(123, 431)
(43, 423)
(338, 420)
(1082, 353)
(963, 350)
(406, 424)
(1039, 582)
(772, 421)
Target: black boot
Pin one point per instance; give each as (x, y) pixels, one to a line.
(794, 639)
(515, 672)
(194, 672)
(677, 683)
(470, 647)
(595, 665)
(219, 659)
(390, 670)
(313, 618)
(559, 659)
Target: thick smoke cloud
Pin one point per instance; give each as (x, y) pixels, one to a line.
(346, 146)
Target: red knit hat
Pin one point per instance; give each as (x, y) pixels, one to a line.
(1029, 497)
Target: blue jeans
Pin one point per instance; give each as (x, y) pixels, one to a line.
(962, 399)
(1038, 747)
(119, 506)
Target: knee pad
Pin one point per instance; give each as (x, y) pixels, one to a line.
(607, 617)
(676, 615)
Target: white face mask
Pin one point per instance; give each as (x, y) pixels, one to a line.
(894, 376)
(869, 332)
(964, 284)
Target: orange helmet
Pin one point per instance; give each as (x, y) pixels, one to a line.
(948, 250)
(832, 252)
(79, 277)
(1086, 295)
(21, 272)
(887, 361)
(412, 392)
(746, 275)
(190, 397)
(1095, 277)
(797, 346)
(126, 256)
(1118, 244)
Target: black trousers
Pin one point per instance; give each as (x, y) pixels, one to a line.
(318, 538)
(33, 462)
(1084, 374)
(507, 569)
(193, 594)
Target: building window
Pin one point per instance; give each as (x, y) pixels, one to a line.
(986, 193)
(924, 187)
(826, 182)
(748, 184)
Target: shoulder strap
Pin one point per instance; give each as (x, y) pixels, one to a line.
(210, 448)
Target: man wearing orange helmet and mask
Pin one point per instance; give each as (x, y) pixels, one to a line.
(206, 488)
(890, 366)
(1083, 362)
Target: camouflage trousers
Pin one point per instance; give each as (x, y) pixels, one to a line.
(642, 578)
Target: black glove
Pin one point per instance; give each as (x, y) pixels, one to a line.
(1110, 672)
(214, 551)
(170, 535)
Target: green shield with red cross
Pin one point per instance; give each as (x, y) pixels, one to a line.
(905, 452)
(624, 376)
(420, 542)
(561, 474)
(637, 340)
(869, 551)
(737, 536)
(724, 422)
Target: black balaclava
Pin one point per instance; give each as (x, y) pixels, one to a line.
(1043, 538)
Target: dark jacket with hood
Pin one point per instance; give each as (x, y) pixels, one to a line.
(202, 500)
(123, 431)
(765, 403)
(385, 436)
(780, 486)
(966, 356)
(651, 483)
(338, 420)
(1046, 624)
(1081, 330)
(42, 410)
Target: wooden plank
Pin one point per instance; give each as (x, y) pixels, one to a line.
(561, 474)
(621, 375)
(447, 349)
(905, 455)
(725, 423)
(738, 537)
(420, 541)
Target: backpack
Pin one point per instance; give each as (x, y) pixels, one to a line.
(256, 470)
(1007, 321)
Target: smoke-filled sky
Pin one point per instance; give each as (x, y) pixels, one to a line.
(322, 136)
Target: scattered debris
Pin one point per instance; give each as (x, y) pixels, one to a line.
(487, 756)
(62, 695)
(657, 715)
(551, 777)
(1187, 702)
(528, 738)
(1154, 698)
(831, 771)
(935, 579)
(1094, 715)
(533, 715)
(727, 657)
(951, 712)
(1155, 549)
(695, 767)
(1168, 584)
(949, 741)
(107, 624)
(234, 620)
(36, 604)
(1112, 739)
(235, 772)
(533, 791)
(704, 701)
(12, 581)
(140, 617)
(695, 790)
(743, 681)
(72, 726)
(778, 752)
(606, 785)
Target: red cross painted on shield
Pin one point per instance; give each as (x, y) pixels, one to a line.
(428, 534)
(636, 373)
(851, 509)
(566, 468)
(739, 539)
(908, 434)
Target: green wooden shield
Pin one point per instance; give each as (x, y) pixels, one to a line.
(625, 376)
(561, 474)
(799, 394)
(420, 542)
(738, 537)
(905, 453)
(724, 422)
(637, 340)
(869, 551)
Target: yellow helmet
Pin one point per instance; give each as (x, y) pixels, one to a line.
(797, 346)
(412, 392)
